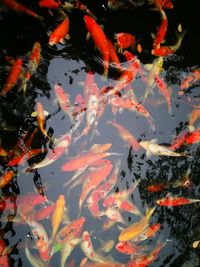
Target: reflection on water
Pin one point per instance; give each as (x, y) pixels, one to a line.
(95, 170)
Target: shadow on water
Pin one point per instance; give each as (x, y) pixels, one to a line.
(67, 65)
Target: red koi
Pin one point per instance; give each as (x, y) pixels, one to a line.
(49, 4)
(99, 39)
(126, 247)
(157, 187)
(161, 32)
(13, 77)
(124, 41)
(175, 201)
(60, 33)
(179, 140)
(193, 137)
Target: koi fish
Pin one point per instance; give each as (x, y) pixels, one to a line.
(152, 148)
(70, 231)
(40, 120)
(6, 178)
(161, 32)
(126, 135)
(157, 187)
(99, 39)
(170, 201)
(33, 260)
(57, 216)
(136, 228)
(167, 50)
(148, 233)
(54, 4)
(94, 179)
(13, 77)
(61, 32)
(3, 153)
(33, 63)
(43, 213)
(4, 258)
(84, 159)
(78, 113)
(13, 4)
(193, 117)
(155, 69)
(124, 41)
(189, 80)
(193, 137)
(41, 238)
(88, 250)
(113, 55)
(63, 101)
(179, 140)
(164, 90)
(113, 214)
(102, 191)
(67, 249)
(60, 148)
(126, 247)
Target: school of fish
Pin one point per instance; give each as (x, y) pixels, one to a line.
(96, 169)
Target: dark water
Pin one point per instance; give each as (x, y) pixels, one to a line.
(68, 65)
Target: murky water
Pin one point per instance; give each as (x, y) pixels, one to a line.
(68, 65)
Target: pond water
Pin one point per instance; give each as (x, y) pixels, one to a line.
(27, 206)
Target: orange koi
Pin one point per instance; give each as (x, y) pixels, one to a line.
(124, 41)
(70, 231)
(139, 48)
(164, 90)
(13, 4)
(6, 178)
(136, 228)
(148, 233)
(99, 39)
(94, 179)
(83, 160)
(61, 32)
(189, 80)
(161, 32)
(49, 3)
(40, 119)
(126, 247)
(57, 216)
(13, 77)
(113, 55)
(33, 63)
(175, 201)
(126, 135)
